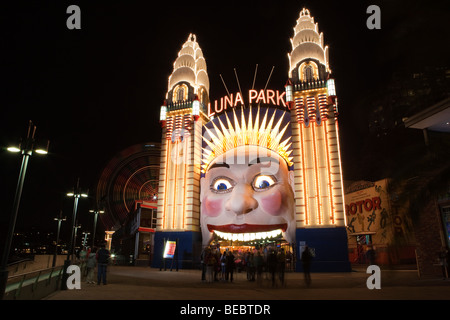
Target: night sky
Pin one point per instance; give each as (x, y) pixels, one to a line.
(96, 91)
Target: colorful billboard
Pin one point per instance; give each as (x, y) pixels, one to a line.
(169, 250)
(375, 219)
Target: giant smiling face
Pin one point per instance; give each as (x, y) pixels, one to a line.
(247, 194)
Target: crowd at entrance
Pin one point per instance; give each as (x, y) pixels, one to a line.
(269, 263)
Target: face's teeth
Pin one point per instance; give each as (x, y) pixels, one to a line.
(248, 236)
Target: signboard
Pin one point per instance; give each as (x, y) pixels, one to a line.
(271, 97)
(367, 209)
(169, 250)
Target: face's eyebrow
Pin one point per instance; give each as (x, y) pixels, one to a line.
(219, 165)
(263, 159)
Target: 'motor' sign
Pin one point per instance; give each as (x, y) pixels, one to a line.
(368, 205)
(271, 97)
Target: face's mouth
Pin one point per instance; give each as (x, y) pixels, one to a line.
(247, 232)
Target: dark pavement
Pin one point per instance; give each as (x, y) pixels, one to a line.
(143, 283)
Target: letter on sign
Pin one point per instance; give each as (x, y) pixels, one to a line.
(374, 21)
(74, 280)
(74, 21)
(374, 281)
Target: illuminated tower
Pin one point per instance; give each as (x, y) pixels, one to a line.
(315, 136)
(182, 117)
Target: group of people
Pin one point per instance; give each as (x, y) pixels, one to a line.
(276, 264)
(91, 258)
(217, 264)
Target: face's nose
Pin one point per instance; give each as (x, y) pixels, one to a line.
(241, 200)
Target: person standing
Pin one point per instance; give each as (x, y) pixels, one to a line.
(102, 261)
(216, 264)
(251, 267)
(83, 260)
(90, 265)
(229, 266)
(210, 262)
(203, 263)
(306, 262)
(272, 264)
(223, 260)
(281, 257)
(259, 263)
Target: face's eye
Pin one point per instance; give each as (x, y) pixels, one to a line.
(222, 185)
(263, 182)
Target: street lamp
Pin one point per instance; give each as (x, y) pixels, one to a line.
(76, 194)
(59, 219)
(95, 212)
(26, 147)
(76, 227)
(85, 236)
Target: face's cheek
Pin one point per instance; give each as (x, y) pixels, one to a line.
(212, 207)
(271, 202)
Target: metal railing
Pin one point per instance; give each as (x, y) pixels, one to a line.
(33, 285)
(307, 85)
(184, 105)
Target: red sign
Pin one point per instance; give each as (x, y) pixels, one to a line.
(271, 97)
(368, 205)
(169, 250)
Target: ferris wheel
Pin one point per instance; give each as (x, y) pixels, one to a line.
(132, 175)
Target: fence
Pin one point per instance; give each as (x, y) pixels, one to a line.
(34, 285)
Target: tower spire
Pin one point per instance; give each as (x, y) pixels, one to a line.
(307, 43)
(314, 107)
(189, 74)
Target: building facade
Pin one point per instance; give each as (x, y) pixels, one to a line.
(315, 133)
(182, 117)
(307, 150)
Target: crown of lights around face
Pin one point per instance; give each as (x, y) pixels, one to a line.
(241, 132)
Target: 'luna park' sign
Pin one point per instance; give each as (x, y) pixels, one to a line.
(272, 97)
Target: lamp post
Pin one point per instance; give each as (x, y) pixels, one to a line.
(59, 219)
(76, 227)
(76, 194)
(26, 148)
(85, 236)
(95, 212)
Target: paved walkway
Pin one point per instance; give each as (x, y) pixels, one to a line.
(143, 283)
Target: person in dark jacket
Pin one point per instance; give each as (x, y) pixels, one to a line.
(281, 263)
(306, 263)
(259, 264)
(229, 265)
(102, 261)
(272, 264)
